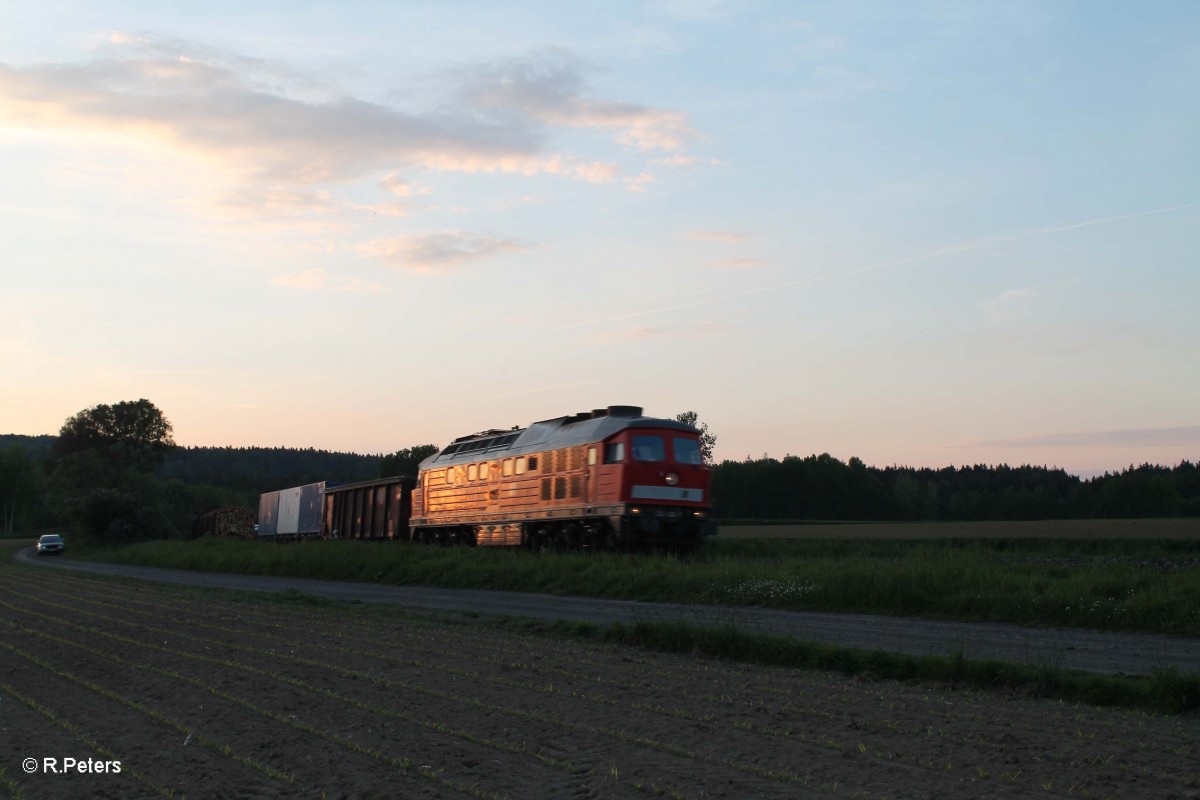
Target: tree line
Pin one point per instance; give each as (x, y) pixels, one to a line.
(114, 474)
(820, 487)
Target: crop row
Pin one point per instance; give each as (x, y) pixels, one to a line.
(794, 690)
(808, 744)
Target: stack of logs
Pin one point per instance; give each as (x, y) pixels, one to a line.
(229, 521)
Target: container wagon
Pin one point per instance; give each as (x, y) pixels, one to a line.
(291, 513)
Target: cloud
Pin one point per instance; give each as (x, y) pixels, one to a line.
(676, 161)
(284, 135)
(701, 330)
(639, 183)
(394, 183)
(1139, 437)
(1000, 308)
(596, 172)
(723, 237)
(440, 252)
(319, 279)
(209, 106)
(744, 262)
(549, 86)
(279, 202)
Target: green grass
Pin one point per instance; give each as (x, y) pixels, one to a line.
(1168, 691)
(1110, 584)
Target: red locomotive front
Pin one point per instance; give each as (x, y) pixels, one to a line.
(607, 478)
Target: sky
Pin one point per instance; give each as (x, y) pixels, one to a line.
(923, 233)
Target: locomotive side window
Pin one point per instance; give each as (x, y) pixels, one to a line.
(648, 448)
(483, 472)
(472, 472)
(687, 451)
(521, 465)
(591, 456)
(614, 453)
(507, 467)
(449, 476)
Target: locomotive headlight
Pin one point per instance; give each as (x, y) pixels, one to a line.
(671, 478)
(635, 510)
(699, 514)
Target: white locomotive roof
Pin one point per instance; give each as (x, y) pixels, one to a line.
(549, 434)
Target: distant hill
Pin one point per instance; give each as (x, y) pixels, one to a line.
(254, 470)
(37, 446)
(246, 470)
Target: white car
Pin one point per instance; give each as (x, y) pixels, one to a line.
(50, 544)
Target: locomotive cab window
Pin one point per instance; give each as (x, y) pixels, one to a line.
(687, 451)
(648, 448)
(614, 453)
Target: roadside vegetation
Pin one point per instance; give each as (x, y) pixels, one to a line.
(1164, 690)
(1107, 584)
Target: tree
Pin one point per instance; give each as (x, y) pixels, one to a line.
(707, 440)
(20, 485)
(127, 435)
(406, 461)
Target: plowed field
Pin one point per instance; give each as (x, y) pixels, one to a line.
(200, 695)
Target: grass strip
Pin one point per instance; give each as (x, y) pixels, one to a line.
(1108, 584)
(1165, 691)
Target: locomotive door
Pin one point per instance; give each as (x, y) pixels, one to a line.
(492, 487)
(591, 464)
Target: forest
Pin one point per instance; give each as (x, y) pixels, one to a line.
(824, 488)
(39, 490)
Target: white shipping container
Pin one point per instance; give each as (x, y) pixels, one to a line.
(289, 510)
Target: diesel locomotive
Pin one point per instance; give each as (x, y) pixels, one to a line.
(609, 478)
(606, 479)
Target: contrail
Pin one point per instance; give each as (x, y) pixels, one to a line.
(943, 251)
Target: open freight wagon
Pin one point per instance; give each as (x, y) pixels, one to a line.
(376, 509)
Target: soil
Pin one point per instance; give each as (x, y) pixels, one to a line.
(202, 695)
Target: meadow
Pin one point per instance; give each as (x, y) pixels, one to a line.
(1146, 580)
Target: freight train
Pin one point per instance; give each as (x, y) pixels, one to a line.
(610, 478)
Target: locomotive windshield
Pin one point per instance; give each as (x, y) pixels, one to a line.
(652, 448)
(648, 448)
(687, 451)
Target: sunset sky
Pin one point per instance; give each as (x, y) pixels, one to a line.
(924, 233)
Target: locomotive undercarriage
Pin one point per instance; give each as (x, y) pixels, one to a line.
(650, 528)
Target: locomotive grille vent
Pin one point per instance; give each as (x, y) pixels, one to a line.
(545, 488)
(560, 488)
(560, 460)
(548, 462)
(574, 486)
(576, 458)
